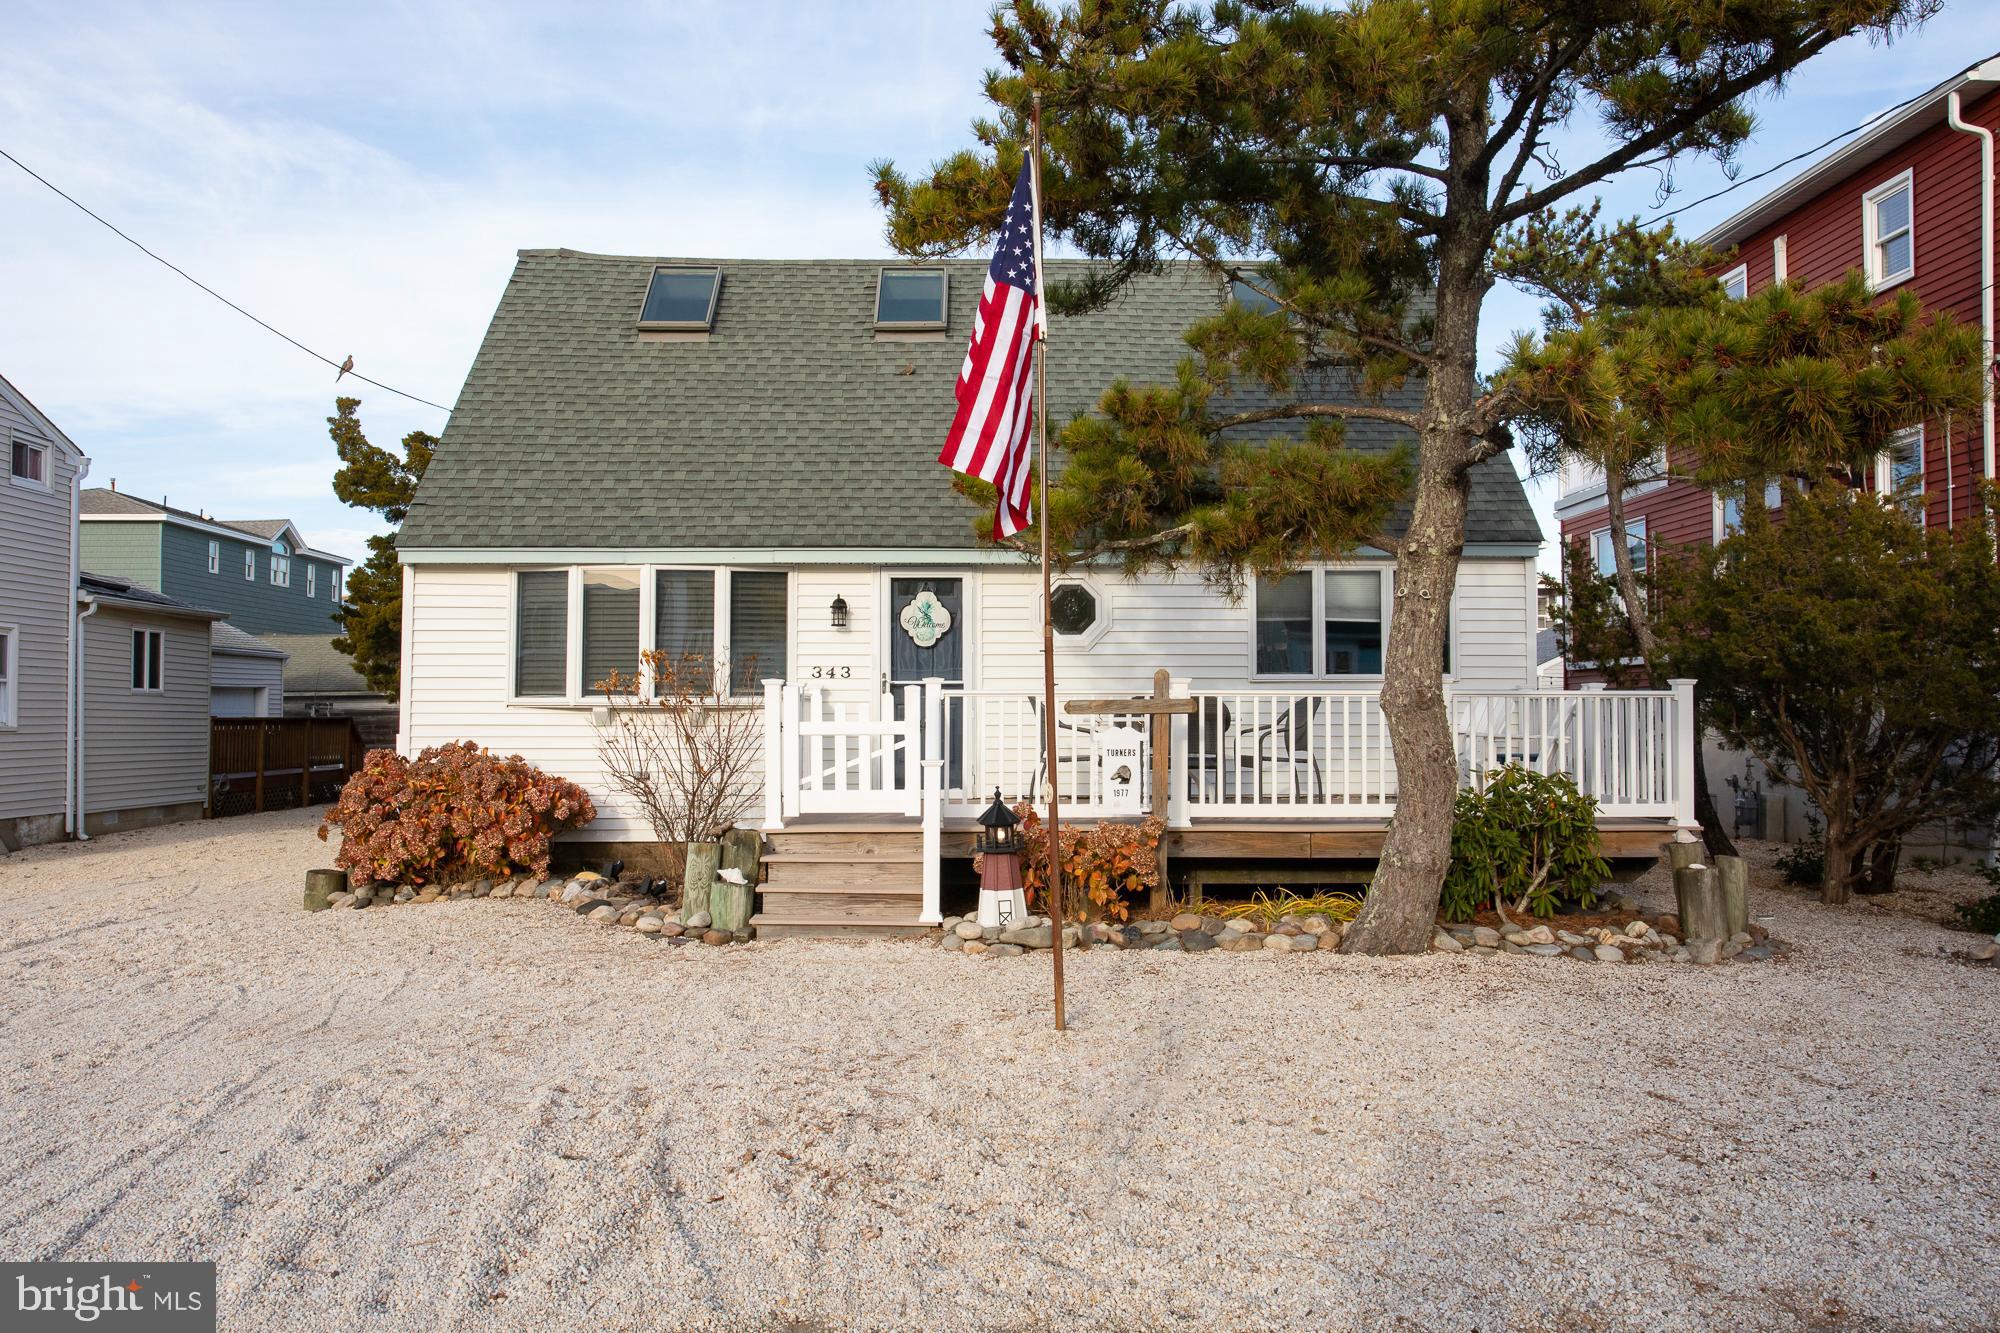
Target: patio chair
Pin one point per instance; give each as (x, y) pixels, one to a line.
(1287, 740)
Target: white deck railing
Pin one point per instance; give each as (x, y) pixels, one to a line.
(1240, 754)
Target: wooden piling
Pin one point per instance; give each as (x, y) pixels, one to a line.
(1698, 892)
(1735, 881)
(321, 885)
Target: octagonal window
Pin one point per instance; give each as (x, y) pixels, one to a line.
(1072, 609)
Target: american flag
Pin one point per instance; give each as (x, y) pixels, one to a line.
(990, 436)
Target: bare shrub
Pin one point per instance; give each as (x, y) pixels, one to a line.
(686, 755)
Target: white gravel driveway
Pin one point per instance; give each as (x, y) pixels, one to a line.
(492, 1114)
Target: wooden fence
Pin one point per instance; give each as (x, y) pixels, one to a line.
(279, 763)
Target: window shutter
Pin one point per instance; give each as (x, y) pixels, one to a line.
(541, 633)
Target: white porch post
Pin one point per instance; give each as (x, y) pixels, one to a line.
(788, 765)
(933, 798)
(1686, 738)
(774, 754)
(1177, 756)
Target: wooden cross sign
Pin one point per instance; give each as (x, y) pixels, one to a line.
(1161, 708)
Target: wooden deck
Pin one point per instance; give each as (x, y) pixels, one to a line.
(862, 874)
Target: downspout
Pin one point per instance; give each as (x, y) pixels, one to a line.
(72, 818)
(1985, 137)
(76, 693)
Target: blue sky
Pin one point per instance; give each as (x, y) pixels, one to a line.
(361, 176)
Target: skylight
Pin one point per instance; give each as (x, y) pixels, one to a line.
(681, 298)
(910, 298)
(1256, 302)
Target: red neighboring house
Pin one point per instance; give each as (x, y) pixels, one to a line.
(1909, 202)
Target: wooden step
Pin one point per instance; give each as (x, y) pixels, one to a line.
(788, 872)
(774, 927)
(898, 842)
(845, 902)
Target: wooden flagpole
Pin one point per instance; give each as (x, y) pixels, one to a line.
(1048, 628)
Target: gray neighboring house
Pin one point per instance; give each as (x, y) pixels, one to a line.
(143, 663)
(37, 578)
(320, 681)
(246, 675)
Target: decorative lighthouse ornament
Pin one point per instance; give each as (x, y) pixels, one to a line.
(1001, 899)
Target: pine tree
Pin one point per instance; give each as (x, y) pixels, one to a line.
(371, 615)
(1359, 165)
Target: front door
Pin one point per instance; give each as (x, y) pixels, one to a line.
(927, 633)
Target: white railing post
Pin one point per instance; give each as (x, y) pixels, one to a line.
(933, 798)
(789, 761)
(1177, 757)
(916, 747)
(1686, 737)
(774, 754)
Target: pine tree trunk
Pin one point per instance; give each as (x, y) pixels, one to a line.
(1882, 859)
(1399, 914)
(1837, 873)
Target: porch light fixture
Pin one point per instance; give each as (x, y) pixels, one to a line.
(1001, 900)
(839, 611)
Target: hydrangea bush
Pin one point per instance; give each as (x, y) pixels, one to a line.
(453, 812)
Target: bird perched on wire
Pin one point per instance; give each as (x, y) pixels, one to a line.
(345, 366)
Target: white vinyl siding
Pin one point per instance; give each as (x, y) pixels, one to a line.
(463, 647)
(241, 673)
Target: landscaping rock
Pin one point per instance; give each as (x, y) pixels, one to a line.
(603, 913)
(1320, 924)
(1197, 941)
(1032, 937)
(1186, 921)
(1605, 953)
(1486, 937)
(951, 943)
(1583, 954)
(1757, 953)
(1549, 950)
(405, 894)
(546, 887)
(976, 946)
(1705, 952)
(1007, 950)
(649, 924)
(1570, 938)
(1445, 942)
(1280, 943)
(700, 921)
(1304, 943)
(1212, 925)
(1155, 929)
(1237, 942)
(1171, 943)
(967, 930)
(712, 935)
(671, 929)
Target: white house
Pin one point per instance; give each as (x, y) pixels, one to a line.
(739, 457)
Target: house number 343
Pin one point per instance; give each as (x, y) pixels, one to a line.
(832, 673)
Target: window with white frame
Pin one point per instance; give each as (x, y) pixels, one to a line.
(10, 639)
(1323, 623)
(148, 659)
(737, 616)
(1736, 282)
(312, 579)
(250, 565)
(1729, 508)
(1888, 226)
(1899, 472)
(214, 557)
(1606, 556)
(281, 565)
(28, 462)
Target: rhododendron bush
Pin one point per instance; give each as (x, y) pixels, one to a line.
(452, 812)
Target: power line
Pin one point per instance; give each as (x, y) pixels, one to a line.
(73, 202)
(1818, 147)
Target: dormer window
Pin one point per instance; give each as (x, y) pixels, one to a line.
(910, 299)
(1250, 298)
(681, 298)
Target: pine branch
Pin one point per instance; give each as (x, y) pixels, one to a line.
(1302, 411)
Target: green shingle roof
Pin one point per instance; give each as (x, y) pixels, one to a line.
(791, 424)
